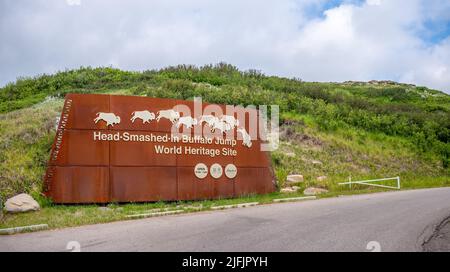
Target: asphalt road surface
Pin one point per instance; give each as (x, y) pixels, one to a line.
(392, 221)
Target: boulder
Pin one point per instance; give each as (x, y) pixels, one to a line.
(316, 162)
(314, 191)
(292, 189)
(290, 154)
(287, 190)
(321, 178)
(294, 178)
(21, 203)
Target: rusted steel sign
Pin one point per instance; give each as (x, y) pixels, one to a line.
(133, 149)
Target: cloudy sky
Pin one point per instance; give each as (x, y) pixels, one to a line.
(315, 40)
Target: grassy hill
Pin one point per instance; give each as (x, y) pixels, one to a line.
(357, 129)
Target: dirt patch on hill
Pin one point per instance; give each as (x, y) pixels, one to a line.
(289, 134)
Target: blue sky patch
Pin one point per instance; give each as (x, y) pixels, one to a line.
(435, 31)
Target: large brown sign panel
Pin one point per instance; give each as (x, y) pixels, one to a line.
(112, 148)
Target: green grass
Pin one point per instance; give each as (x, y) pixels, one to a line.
(25, 140)
(306, 149)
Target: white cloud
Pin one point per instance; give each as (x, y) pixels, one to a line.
(363, 42)
(373, 2)
(73, 2)
(377, 39)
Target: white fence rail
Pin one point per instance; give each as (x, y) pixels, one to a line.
(370, 182)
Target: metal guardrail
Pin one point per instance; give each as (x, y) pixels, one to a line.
(370, 183)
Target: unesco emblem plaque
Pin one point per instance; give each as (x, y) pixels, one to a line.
(111, 148)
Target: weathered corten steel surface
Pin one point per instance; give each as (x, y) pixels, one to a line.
(84, 168)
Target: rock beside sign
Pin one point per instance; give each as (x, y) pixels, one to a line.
(290, 154)
(316, 162)
(314, 191)
(294, 178)
(292, 189)
(321, 178)
(21, 203)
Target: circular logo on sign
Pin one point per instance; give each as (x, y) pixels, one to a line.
(216, 170)
(201, 170)
(230, 171)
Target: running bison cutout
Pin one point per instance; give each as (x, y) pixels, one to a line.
(145, 116)
(229, 119)
(172, 115)
(110, 118)
(187, 121)
(208, 119)
(222, 126)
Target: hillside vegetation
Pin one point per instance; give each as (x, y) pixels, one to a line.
(357, 129)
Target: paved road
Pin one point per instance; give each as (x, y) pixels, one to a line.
(398, 221)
